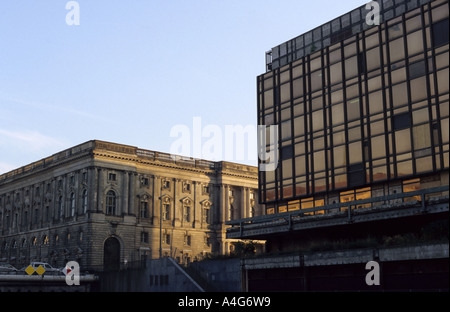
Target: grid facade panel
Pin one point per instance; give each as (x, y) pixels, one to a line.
(367, 109)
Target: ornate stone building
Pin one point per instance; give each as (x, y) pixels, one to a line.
(106, 205)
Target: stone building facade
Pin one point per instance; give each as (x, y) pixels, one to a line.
(107, 205)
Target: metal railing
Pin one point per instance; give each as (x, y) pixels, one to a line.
(350, 206)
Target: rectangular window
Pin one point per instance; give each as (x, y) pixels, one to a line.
(402, 141)
(356, 175)
(166, 212)
(145, 182)
(362, 194)
(316, 80)
(440, 33)
(144, 210)
(375, 102)
(299, 126)
(319, 161)
(404, 168)
(336, 73)
(287, 169)
(353, 110)
(112, 177)
(186, 187)
(285, 93)
(339, 157)
(206, 215)
(144, 237)
(417, 70)
(362, 67)
(411, 186)
(400, 95)
(307, 203)
(397, 50)
(268, 99)
(286, 130)
(351, 67)
(419, 89)
(337, 112)
(442, 78)
(317, 120)
(297, 87)
(300, 166)
(372, 59)
(287, 152)
(415, 43)
(378, 147)
(445, 130)
(187, 214)
(395, 31)
(421, 137)
(355, 152)
(166, 239)
(413, 23)
(402, 121)
(166, 184)
(398, 75)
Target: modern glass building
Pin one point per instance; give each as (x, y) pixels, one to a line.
(358, 107)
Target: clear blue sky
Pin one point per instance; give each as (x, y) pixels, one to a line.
(134, 69)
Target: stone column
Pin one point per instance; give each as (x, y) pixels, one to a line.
(92, 188)
(177, 211)
(248, 203)
(100, 182)
(157, 199)
(126, 193)
(132, 192)
(226, 204)
(243, 206)
(217, 204)
(197, 213)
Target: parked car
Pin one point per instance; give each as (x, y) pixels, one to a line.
(6, 268)
(47, 267)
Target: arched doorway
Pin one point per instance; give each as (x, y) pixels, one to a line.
(111, 254)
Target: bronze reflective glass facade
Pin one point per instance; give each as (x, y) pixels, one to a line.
(368, 109)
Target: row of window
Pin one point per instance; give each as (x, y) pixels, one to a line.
(187, 213)
(43, 241)
(167, 239)
(373, 122)
(9, 219)
(36, 215)
(348, 196)
(344, 62)
(339, 30)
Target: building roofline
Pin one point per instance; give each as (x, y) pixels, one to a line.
(93, 146)
(336, 30)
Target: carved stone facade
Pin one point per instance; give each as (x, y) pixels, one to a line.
(105, 205)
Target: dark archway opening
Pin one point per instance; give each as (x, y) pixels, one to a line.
(111, 255)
